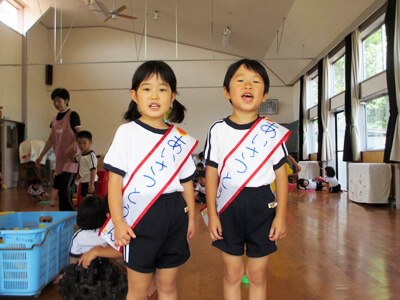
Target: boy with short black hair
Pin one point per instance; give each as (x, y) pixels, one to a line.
(87, 163)
(244, 155)
(36, 191)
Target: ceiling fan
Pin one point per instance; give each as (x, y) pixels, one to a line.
(114, 13)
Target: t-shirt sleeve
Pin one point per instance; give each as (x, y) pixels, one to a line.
(75, 249)
(188, 171)
(116, 158)
(211, 148)
(279, 157)
(74, 120)
(93, 161)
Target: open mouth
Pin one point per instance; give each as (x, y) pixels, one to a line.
(247, 97)
(154, 106)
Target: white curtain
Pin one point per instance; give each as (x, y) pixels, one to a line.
(306, 82)
(327, 153)
(395, 153)
(355, 95)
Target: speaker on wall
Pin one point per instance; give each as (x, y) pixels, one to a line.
(49, 74)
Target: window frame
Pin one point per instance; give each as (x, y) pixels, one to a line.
(19, 6)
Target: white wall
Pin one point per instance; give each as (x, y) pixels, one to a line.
(98, 64)
(10, 73)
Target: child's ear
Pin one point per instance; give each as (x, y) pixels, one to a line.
(134, 95)
(265, 97)
(173, 96)
(227, 94)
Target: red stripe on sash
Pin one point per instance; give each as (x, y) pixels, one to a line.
(166, 185)
(138, 167)
(147, 156)
(285, 137)
(238, 144)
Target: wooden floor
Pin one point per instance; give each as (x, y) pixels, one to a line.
(334, 249)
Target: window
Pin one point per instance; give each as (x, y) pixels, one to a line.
(341, 167)
(313, 96)
(338, 75)
(374, 52)
(376, 112)
(11, 14)
(314, 136)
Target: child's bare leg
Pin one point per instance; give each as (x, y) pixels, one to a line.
(166, 283)
(53, 196)
(138, 285)
(257, 274)
(233, 275)
(46, 196)
(39, 198)
(153, 286)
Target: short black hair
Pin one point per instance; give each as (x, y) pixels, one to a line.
(251, 65)
(201, 155)
(36, 181)
(200, 165)
(92, 213)
(330, 172)
(61, 93)
(300, 182)
(84, 134)
(202, 174)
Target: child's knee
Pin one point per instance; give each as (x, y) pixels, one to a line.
(257, 277)
(233, 275)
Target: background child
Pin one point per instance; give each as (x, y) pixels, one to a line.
(92, 213)
(64, 127)
(87, 163)
(331, 184)
(200, 189)
(315, 184)
(159, 240)
(250, 221)
(36, 191)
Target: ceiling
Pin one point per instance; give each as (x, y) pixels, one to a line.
(290, 36)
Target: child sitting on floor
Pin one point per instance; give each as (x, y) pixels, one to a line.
(200, 189)
(331, 184)
(36, 191)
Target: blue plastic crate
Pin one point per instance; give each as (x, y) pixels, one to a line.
(35, 253)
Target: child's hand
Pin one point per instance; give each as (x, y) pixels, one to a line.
(123, 233)
(191, 229)
(278, 229)
(91, 189)
(87, 257)
(215, 228)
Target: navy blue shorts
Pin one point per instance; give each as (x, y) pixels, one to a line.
(161, 236)
(247, 222)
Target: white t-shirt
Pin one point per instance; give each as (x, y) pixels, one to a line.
(83, 241)
(200, 188)
(132, 142)
(87, 162)
(332, 181)
(311, 185)
(224, 135)
(33, 192)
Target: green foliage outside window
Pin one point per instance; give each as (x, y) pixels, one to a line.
(375, 53)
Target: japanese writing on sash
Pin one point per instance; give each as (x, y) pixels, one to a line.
(152, 176)
(247, 158)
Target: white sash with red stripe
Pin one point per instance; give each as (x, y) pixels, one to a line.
(247, 158)
(151, 177)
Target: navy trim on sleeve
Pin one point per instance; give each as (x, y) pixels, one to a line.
(188, 178)
(211, 164)
(280, 163)
(110, 168)
(75, 255)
